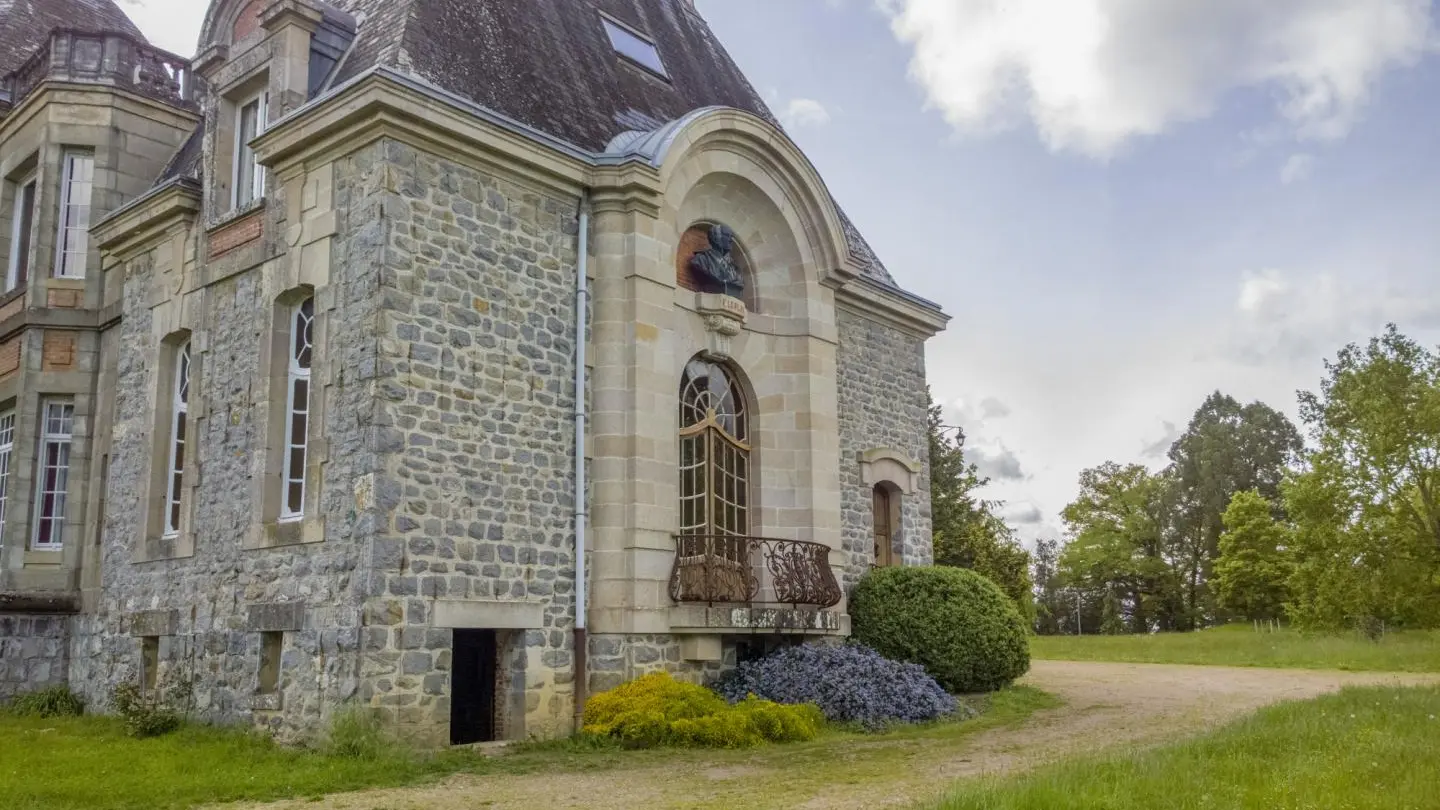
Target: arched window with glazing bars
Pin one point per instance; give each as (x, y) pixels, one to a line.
(714, 452)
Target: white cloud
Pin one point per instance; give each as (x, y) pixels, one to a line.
(1092, 74)
(804, 112)
(1282, 319)
(170, 24)
(1297, 167)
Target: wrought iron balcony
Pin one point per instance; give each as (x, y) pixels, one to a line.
(114, 60)
(752, 570)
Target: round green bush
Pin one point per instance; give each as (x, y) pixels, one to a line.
(956, 624)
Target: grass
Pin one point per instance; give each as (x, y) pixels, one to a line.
(1363, 748)
(88, 762)
(1242, 646)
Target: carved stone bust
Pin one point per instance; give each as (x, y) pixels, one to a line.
(714, 268)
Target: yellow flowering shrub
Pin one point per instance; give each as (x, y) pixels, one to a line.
(657, 710)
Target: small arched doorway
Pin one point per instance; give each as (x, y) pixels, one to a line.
(885, 504)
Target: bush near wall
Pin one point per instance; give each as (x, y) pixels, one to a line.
(953, 622)
(850, 684)
(657, 710)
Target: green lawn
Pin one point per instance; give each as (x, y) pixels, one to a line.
(1361, 749)
(1242, 646)
(89, 763)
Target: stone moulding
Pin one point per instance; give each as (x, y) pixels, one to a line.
(889, 464)
(724, 318)
(695, 619)
(61, 603)
(153, 622)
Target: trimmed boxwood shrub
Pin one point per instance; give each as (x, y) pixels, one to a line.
(955, 623)
(850, 684)
(658, 710)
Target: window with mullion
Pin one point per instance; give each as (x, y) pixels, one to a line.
(714, 455)
(297, 410)
(57, 426)
(179, 424)
(72, 247)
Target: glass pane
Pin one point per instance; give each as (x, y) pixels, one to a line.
(295, 497)
(297, 429)
(302, 396)
(296, 469)
(629, 45)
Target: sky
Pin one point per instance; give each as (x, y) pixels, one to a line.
(1124, 204)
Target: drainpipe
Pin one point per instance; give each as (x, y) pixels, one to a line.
(582, 319)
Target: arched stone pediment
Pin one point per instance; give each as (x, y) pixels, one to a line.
(888, 464)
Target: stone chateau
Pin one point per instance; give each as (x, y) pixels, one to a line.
(454, 358)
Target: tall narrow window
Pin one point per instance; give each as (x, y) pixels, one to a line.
(57, 428)
(249, 175)
(297, 409)
(72, 248)
(179, 416)
(714, 453)
(7, 447)
(20, 228)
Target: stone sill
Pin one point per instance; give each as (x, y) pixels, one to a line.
(57, 603)
(744, 619)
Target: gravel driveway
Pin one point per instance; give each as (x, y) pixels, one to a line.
(1106, 705)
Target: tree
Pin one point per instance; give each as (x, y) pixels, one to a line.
(1251, 571)
(967, 530)
(1115, 526)
(1367, 508)
(1227, 448)
(1050, 607)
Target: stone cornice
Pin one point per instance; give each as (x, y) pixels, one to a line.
(383, 105)
(892, 308)
(41, 97)
(148, 220)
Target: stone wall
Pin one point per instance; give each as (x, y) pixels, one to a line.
(34, 653)
(476, 403)
(883, 403)
(209, 610)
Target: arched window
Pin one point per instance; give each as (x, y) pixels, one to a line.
(714, 452)
(179, 417)
(297, 409)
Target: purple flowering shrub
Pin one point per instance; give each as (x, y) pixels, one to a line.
(850, 684)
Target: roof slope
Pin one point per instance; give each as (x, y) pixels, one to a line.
(26, 24)
(550, 64)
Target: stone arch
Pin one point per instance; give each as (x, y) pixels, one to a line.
(225, 17)
(724, 165)
(886, 464)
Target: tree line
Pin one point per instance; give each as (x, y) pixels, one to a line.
(1247, 521)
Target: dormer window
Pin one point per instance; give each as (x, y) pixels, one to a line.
(635, 47)
(249, 124)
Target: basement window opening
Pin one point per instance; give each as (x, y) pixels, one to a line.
(635, 47)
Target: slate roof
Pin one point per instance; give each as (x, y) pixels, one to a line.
(25, 25)
(550, 64)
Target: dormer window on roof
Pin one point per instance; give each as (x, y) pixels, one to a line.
(635, 47)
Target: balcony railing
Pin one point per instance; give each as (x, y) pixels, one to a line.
(752, 570)
(114, 60)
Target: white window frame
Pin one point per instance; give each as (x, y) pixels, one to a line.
(179, 434)
(300, 359)
(17, 230)
(57, 430)
(256, 180)
(7, 453)
(71, 263)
